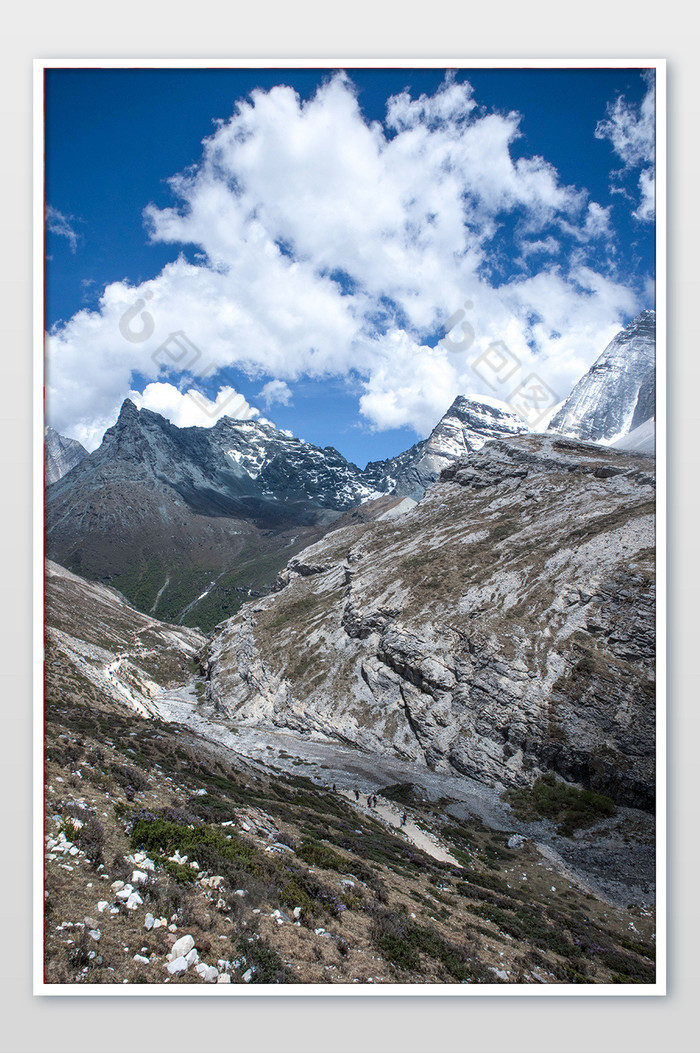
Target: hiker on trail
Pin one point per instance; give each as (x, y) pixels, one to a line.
(333, 787)
(357, 795)
(404, 817)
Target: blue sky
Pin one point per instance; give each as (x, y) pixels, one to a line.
(311, 233)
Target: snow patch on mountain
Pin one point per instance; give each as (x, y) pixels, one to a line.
(640, 440)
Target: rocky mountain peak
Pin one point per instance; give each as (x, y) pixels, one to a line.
(603, 406)
(60, 455)
(470, 421)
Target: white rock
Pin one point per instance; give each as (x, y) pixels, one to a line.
(102, 905)
(138, 878)
(178, 966)
(223, 978)
(95, 933)
(247, 976)
(125, 892)
(134, 901)
(116, 886)
(240, 892)
(182, 947)
(148, 922)
(192, 957)
(141, 958)
(211, 975)
(297, 912)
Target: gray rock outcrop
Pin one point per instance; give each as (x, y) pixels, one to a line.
(503, 627)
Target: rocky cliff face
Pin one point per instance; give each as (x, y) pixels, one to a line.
(617, 393)
(502, 627)
(60, 455)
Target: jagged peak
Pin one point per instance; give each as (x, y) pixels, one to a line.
(128, 411)
(486, 402)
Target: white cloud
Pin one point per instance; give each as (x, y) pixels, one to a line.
(59, 224)
(191, 408)
(647, 190)
(327, 245)
(631, 131)
(276, 391)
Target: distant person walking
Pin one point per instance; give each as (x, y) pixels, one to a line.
(404, 817)
(357, 795)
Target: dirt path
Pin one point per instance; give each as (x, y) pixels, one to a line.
(391, 815)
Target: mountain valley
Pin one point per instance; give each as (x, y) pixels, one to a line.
(311, 723)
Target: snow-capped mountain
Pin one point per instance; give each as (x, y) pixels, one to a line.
(617, 393)
(60, 455)
(470, 421)
(187, 521)
(195, 519)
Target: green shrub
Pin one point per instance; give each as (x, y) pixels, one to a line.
(565, 805)
(318, 855)
(402, 941)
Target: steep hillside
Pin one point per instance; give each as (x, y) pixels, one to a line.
(99, 647)
(187, 853)
(503, 628)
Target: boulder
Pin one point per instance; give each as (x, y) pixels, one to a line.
(182, 947)
(178, 966)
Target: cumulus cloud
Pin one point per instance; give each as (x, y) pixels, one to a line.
(328, 244)
(276, 391)
(191, 408)
(59, 224)
(631, 130)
